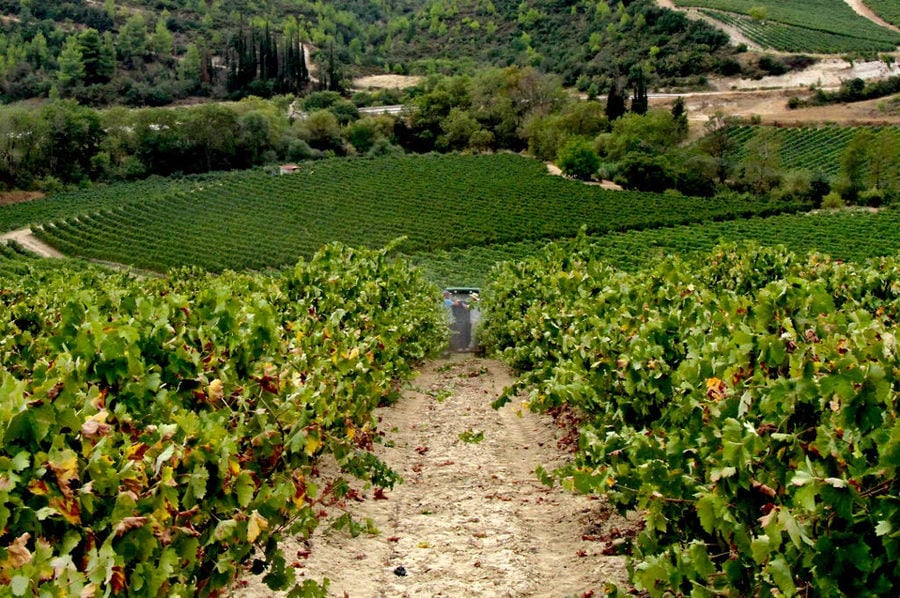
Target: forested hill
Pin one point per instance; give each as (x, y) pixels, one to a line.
(152, 52)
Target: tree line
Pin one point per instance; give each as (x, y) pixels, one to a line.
(515, 109)
(135, 54)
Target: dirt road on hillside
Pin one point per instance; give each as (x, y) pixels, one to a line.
(26, 239)
(864, 11)
(471, 519)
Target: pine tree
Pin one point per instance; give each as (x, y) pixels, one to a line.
(98, 64)
(71, 63)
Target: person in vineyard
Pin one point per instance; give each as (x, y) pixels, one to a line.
(460, 322)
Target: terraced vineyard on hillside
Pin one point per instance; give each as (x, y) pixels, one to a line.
(253, 220)
(824, 26)
(815, 149)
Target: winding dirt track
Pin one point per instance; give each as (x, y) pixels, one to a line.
(864, 11)
(471, 519)
(26, 239)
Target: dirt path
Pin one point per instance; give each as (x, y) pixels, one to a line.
(26, 239)
(471, 519)
(864, 11)
(737, 37)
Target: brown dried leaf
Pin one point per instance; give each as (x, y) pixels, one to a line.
(129, 523)
(17, 554)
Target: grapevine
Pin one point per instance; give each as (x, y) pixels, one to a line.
(155, 432)
(744, 402)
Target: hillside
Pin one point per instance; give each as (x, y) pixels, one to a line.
(152, 53)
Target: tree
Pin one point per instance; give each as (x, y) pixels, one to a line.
(70, 135)
(189, 66)
(758, 13)
(679, 113)
(639, 102)
(762, 161)
(653, 133)
(458, 128)
(212, 128)
(132, 41)
(38, 53)
(615, 103)
(321, 129)
(253, 136)
(19, 145)
(853, 165)
(99, 63)
(71, 63)
(578, 159)
(161, 42)
(718, 144)
(884, 162)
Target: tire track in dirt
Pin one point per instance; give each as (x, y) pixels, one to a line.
(471, 518)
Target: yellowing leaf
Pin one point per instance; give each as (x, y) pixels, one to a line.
(312, 443)
(68, 507)
(215, 391)
(64, 465)
(255, 525)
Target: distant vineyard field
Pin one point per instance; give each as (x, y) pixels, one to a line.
(257, 221)
(61, 205)
(815, 149)
(889, 10)
(827, 26)
(793, 38)
(844, 234)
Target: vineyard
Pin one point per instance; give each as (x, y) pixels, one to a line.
(792, 38)
(886, 9)
(257, 221)
(845, 235)
(60, 205)
(824, 26)
(814, 149)
(155, 434)
(745, 402)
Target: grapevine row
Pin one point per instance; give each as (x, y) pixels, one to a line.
(886, 9)
(745, 402)
(156, 433)
(792, 38)
(828, 16)
(845, 235)
(814, 149)
(253, 220)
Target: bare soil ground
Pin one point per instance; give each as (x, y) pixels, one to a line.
(386, 82)
(771, 107)
(605, 184)
(11, 197)
(471, 518)
(26, 239)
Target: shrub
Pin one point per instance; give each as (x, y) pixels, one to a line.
(578, 159)
(833, 201)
